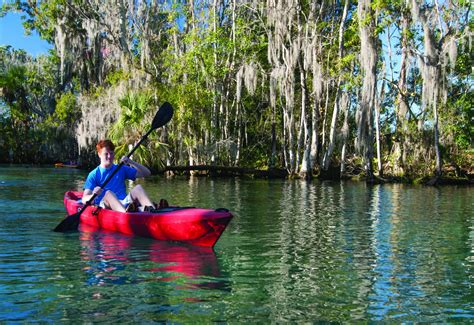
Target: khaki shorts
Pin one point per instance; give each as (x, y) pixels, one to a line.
(125, 202)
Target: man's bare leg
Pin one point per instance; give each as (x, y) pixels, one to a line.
(110, 200)
(138, 194)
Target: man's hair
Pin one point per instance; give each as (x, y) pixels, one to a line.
(105, 144)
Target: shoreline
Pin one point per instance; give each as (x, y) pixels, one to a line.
(278, 173)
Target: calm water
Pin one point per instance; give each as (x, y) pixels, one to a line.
(295, 252)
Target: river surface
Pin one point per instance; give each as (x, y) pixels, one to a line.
(294, 252)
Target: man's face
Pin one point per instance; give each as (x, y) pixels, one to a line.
(106, 157)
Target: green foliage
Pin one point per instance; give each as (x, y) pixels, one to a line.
(66, 109)
(458, 115)
(137, 112)
(193, 62)
(113, 78)
(129, 126)
(12, 82)
(30, 128)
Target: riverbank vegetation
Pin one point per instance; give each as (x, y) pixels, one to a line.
(329, 88)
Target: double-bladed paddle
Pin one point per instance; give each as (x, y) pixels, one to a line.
(163, 116)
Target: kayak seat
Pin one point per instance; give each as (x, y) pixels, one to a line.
(73, 196)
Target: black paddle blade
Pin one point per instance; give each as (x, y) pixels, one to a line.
(70, 223)
(163, 116)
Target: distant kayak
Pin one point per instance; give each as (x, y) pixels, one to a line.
(59, 165)
(195, 226)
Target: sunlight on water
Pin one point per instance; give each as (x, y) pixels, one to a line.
(295, 252)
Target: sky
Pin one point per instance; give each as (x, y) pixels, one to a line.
(13, 34)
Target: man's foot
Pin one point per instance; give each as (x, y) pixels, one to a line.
(150, 208)
(132, 207)
(163, 204)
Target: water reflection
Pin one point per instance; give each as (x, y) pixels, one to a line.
(113, 258)
(351, 251)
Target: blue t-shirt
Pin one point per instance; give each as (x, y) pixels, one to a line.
(117, 184)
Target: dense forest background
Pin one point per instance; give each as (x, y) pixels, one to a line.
(373, 88)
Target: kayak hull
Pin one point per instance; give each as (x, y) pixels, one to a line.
(195, 226)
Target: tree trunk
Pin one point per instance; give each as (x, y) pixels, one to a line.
(402, 101)
(332, 132)
(368, 60)
(304, 141)
(378, 101)
(436, 140)
(431, 66)
(345, 135)
(335, 113)
(216, 92)
(326, 106)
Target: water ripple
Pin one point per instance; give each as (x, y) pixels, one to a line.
(296, 252)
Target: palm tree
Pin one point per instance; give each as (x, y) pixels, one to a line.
(135, 120)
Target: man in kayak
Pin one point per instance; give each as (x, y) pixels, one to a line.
(114, 195)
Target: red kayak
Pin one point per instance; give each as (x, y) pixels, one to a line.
(195, 226)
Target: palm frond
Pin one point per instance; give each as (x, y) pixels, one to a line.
(134, 121)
